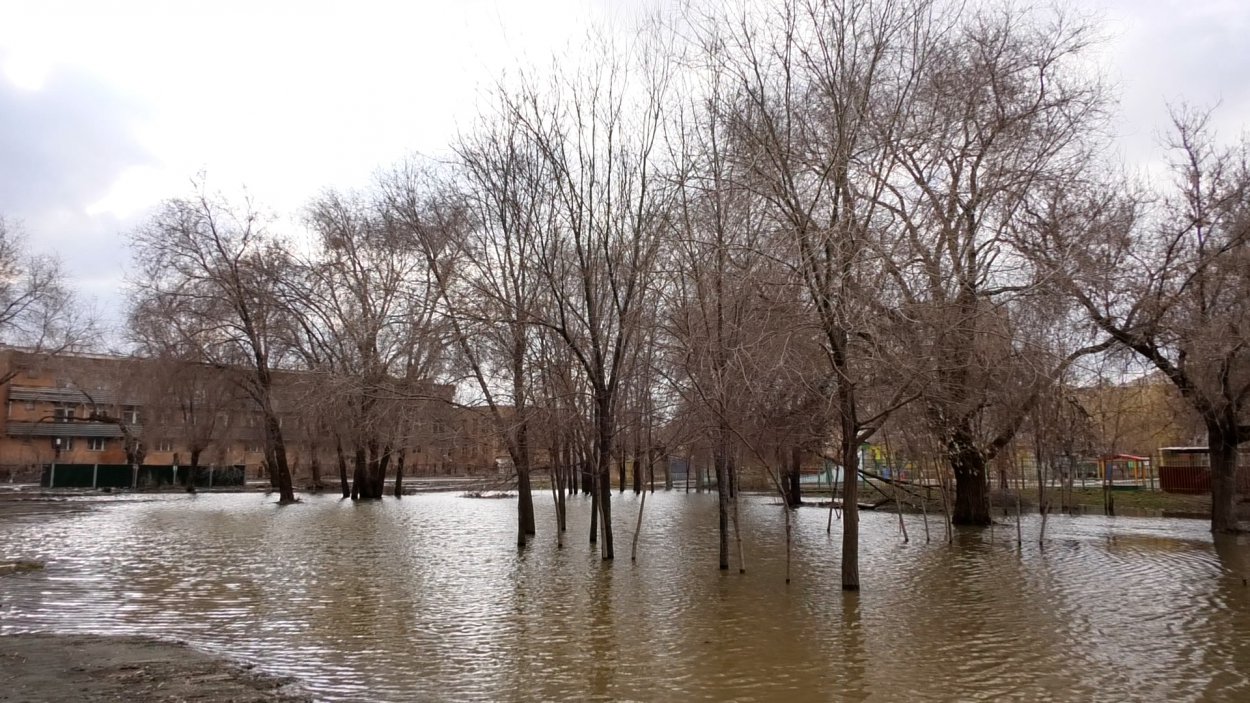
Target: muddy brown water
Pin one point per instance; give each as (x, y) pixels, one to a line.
(427, 598)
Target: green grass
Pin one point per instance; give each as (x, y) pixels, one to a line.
(1144, 499)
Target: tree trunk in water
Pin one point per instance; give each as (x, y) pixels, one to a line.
(794, 486)
(282, 471)
(338, 449)
(192, 470)
(316, 470)
(1222, 446)
(604, 429)
(850, 515)
(525, 493)
(566, 468)
(594, 514)
(605, 508)
(639, 464)
(399, 472)
(722, 492)
(972, 500)
(733, 474)
(358, 476)
(633, 552)
(525, 501)
(620, 470)
(651, 467)
(375, 476)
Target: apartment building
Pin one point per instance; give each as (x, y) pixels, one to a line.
(90, 408)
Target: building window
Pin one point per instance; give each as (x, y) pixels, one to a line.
(130, 416)
(62, 414)
(63, 444)
(254, 449)
(164, 446)
(96, 444)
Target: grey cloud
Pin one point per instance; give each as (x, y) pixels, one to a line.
(63, 144)
(61, 148)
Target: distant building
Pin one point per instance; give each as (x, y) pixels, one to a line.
(80, 409)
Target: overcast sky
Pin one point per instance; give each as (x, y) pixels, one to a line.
(107, 107)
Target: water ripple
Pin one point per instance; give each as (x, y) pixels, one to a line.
(426, 598)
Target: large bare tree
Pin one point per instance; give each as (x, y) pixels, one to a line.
(1000, 111)
(205, 285)
(1170, 281)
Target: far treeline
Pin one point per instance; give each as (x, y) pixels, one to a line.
(780, 230)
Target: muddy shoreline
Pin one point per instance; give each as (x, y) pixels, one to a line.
(43, 667)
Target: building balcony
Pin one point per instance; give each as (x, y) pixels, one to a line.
(66, 396)
(66, 429)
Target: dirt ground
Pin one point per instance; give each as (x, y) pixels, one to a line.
(95, 668)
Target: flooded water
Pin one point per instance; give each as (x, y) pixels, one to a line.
(427, 598)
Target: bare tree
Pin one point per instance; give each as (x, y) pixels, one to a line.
(37, 310)
(365, 312)
(598, 133)
(1171, 284)
(997, 114)
(205, 286)
(818, 89)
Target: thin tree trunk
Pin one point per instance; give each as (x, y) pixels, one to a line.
(1042, 505)
(722, 492)
(638, 475)
(399, 472)
(924, 502)
(789, 542)
(898, 506)
(742, 564)
(633, 552)
(606, 549)
(338, 449)
(358, 476)
(594, 511)
(557, 493)
(620, 470)
(946, 503)
(794, 479)
(192, 470)
(315, 467)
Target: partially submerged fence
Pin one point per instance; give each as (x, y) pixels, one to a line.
(139, 477)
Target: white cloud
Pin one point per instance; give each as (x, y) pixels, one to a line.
(119, 103)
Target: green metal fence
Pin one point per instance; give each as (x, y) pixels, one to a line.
(147, 476)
